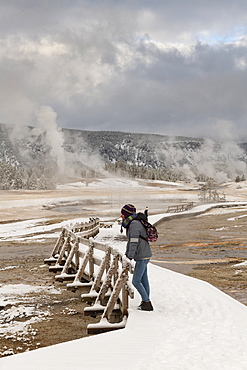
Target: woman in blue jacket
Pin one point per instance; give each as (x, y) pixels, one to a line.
(138, 248)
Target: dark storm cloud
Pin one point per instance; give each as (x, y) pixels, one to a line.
(161, 67)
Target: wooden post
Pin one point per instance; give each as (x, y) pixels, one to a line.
(115, 275)
(64, 248)
(83, 265)
(59, 243)
(103, 266)
(77, 260)
(91, 262)
(121, 281)
(72, 252)
(125, 291)
(108, 280)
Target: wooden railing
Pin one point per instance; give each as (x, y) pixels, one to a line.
(98, 267)
(180, 207)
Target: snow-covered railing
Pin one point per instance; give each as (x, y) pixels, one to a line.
(84, 229)
(102, 269)
(180, 207)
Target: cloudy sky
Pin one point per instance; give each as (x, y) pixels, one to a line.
(167, 67)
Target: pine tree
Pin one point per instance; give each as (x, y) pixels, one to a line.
(32, 183)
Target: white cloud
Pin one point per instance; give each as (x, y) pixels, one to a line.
(132, 66)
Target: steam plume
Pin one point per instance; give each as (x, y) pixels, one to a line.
(46, 119)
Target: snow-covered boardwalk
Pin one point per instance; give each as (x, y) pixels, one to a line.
(193, 326)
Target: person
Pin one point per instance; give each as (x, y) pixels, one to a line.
(138, 248)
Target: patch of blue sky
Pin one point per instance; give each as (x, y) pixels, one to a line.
(223, 38)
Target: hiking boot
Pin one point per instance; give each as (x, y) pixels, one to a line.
(146, 306)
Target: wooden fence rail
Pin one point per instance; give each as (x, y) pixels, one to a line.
(180, 207)
(78, 258)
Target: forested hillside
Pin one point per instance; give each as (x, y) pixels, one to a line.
(34, 159)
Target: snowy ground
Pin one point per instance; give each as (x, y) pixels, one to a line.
(193, 326)
(21, 312)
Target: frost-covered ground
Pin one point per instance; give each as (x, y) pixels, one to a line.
(19, 311)
(193, 326)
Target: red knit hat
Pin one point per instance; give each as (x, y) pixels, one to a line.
(128, 210)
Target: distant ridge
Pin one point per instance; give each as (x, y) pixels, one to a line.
(153, 151)
(147, 136)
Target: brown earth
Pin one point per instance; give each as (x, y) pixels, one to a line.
(207, 247)
(204, 247)
(63, 316)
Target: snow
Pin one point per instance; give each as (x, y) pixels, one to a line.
(198, 211)
(111, 181)
(194, 326)
(9, 268)
(10, 293)
(34, 229)
(16, 320)
(241, 264)
(236, 218)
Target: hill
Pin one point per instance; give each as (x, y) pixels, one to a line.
(53, 151)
